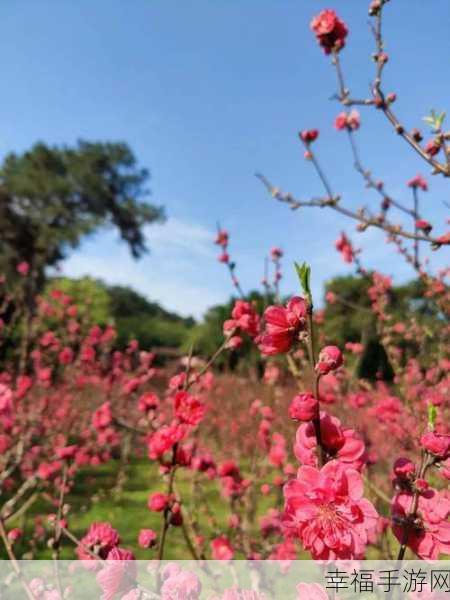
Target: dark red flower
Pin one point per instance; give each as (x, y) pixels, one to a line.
(330, 31)
(283, 324)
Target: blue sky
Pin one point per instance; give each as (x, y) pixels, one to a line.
(207, 92)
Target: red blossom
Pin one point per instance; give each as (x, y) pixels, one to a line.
(309, 135)
(101, 538)
(325, 509)
(350, 121)
(429, 535)
(425, 226)
(344, 444)
(188, 409)
(23, 268)
(330, 31)
(147, 538)
(164, 439)
(158, 502)
(222, 238)
(418, 182)
(245, 317)
(330, 359)
(436, 444)
(282, 326)
(221, 548)
(148, 401)
(344, 246)
(304, 407)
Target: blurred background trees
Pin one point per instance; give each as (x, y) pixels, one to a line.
(133, 316)
(52, 197)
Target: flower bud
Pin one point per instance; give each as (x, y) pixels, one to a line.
(234, 342)
(14, 535)
(374, 8)
(378, 101)
(304, 407)
(158, 502)
(436, 444)
(421, 485)
(330, 359)
(416, 135)
(425, 226)
(309, 135)
(404, 468)
(432, 147)
(147, 538)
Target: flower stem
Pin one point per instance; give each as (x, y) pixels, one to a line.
(311, 345)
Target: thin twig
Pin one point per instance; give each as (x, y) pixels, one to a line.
(333, 203)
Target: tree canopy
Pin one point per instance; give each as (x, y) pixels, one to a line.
(133, 315)
(51, 197)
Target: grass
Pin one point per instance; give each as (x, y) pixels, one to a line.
(94, 498)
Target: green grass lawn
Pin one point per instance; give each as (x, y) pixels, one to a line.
(94, 499)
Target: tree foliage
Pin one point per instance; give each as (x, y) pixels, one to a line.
(133, 315)
(51, 197)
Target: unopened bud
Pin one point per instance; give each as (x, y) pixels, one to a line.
(416, 135)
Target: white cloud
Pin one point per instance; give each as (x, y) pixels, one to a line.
(176, 273)
(176, 235)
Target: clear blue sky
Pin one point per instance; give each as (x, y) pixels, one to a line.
(206, 93)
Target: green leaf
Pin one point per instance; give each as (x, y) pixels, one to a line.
(304, 275)
(432, 414)
(440, 120)
(434, 120)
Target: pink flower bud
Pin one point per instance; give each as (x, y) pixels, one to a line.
(418, 182)
(404, 468)
(436, 444)
(424, 225)
(23, 268)
(432, 147)
(229, 326)
(147, 538)
(158, 502)
(330, 359)
(304, 407)
(421, 485)
(309, 135)
(330, 31)
(14, 535)
(234, 342)
(265, 489)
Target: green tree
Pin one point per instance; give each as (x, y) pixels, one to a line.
(51, 197)
(348, 317)
(133, 315)
(148, 322)
(90, 295)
